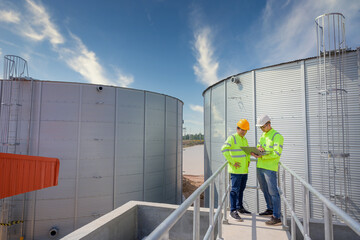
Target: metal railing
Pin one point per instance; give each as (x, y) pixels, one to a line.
(162, 231)
(329, 209)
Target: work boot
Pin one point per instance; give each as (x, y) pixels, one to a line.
(234, 214)
(243, 211)
(268, 212)
(274, 221)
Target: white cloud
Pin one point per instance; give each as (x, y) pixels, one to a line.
(40, 26)
(194, 122)
(9, 16)
(292, 36)
(267, 12)
(36, 25)
(124, 80)
(193, 126)
(206, 66)
(286, 3)
(197, 108)
(79, 58)
(83, 61)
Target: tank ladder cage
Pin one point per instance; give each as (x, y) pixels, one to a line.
(15, 67)
(15, 70)
(330, 208)
(333, 108)
(162, 231)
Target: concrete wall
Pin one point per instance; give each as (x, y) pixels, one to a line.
(136, 220)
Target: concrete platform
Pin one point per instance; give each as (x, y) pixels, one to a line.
(136, 220)
(253, 227)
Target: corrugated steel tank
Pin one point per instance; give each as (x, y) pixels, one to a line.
(289, 94)
(114, 145)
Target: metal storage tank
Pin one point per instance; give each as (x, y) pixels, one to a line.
(289, 94)
(114, 144)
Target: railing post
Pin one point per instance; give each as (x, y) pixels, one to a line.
(220, 196)
(328, 226)
(293, 223)
(211, 209)
(306, 212)
(219, 228)
(284, 192)
(225, 220)
(196, 220)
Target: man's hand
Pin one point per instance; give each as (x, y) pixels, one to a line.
(237, 165)
(261, 148)
(255, 155)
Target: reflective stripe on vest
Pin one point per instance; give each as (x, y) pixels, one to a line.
(234, 138)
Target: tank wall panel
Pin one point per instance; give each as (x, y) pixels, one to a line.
(170, 149)
(68, 169)
(125, 197)
(95, 186)
(319, 171)
(179, 157)
(240, 105)
(43, 227)
(54, 209)
(154, 147)
(130, 183)
(56, 111)
(91, 206)
(129, 165)
(130, 137)
(279, 92)
(114, 145)
(240, 102)
(64, 190)
(218, 124)
(207, 140)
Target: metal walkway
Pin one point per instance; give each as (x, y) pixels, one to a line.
(253, 227)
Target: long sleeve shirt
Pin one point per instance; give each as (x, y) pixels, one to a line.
(272, 142)
(233, 154)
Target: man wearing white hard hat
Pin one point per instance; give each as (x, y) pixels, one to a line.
(270, 141)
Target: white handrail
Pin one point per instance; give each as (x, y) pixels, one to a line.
(329, 208)
(163, 229)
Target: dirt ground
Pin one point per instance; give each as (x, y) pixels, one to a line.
(190, 184)
(190, 143)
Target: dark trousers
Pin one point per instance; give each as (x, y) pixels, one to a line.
(238, 184)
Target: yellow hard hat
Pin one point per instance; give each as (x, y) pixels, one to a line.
(243, 124)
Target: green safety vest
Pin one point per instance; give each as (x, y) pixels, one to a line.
(272, 142)
(233, 153)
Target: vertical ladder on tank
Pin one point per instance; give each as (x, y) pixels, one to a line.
(11, 138)
(333, 115)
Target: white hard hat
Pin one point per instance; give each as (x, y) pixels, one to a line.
(262, 120)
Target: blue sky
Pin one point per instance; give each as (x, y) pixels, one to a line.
(178, 48)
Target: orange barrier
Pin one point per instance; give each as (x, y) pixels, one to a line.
(23, 173)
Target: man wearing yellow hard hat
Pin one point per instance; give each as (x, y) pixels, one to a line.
(238, 163)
